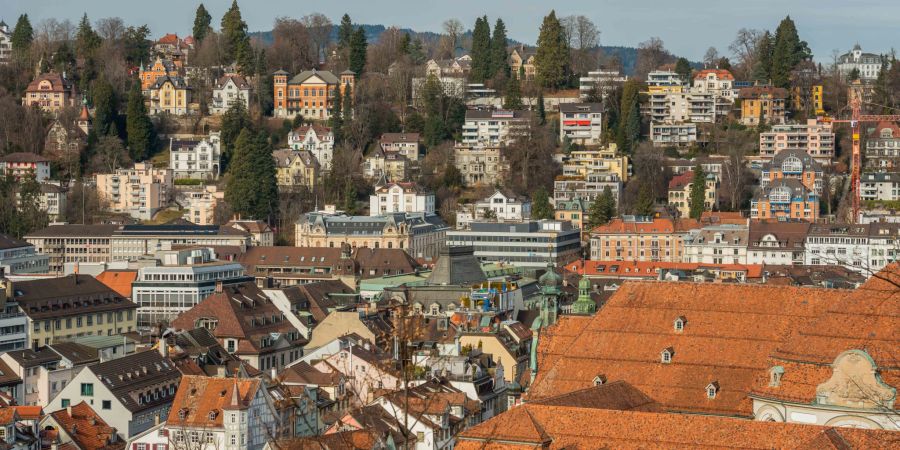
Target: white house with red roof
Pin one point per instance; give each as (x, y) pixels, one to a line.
(317, 139)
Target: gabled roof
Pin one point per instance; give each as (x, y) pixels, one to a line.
(72, 294)
(118, 280)
(76, 353)
(8, 242)
(721, 74)
(789, 235)
(618, 395)
(756, 92)
(87, 429)
(730, 331)
(409, 138)
(201, 401)
(131, 376)
(59, 84)
(809, 163)
(324, 75)
(239, 81)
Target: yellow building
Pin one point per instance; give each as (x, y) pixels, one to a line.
(58, 309)
(160, 68)
(763, 104)
(680, 193)
(593, 161)
(521, 61)
(818, 95)
(170, 95)
(50, 91)
(295, 168)
(509, 347)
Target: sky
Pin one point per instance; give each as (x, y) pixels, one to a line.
(688, 27)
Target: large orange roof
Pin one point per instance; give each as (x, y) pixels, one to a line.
(721, 74)
(118, 280)
(536, 426)
(655, 226)
(651, 269)
(201, 401)
(87, 429)
(729, 332)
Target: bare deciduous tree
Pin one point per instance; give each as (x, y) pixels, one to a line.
(319, 28)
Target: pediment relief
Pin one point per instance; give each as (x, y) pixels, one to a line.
(855, 383)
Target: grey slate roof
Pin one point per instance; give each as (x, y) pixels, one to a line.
(8, 242)
(457, 266)
(138, 373)
(325, 75)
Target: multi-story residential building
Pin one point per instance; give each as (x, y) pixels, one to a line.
(72, 244)
(170, 95)
(13, 323)
(222, 413)
(160, 68)
(776, 243)
(795, 164)
(455, 67)
(581, 123)
(785, 198)
(173, 47)
(139, 192)
(200, 205)
(317, 139)
(813, 137)
(181, 280)
(52, 201)
(421, 235)
(866, 65)
(451, 86)
(576, 211)
(493, 128)
(260, 232)
(310, 93)
(387, 166)
(129, 393)
(883, 186)
(604, 160)
(198, 158)
(51, 92)
(717, 244)
(719, 82)
(637, 238)
(295, 169)
(882, 152)
(5, 43)
(21, 164)
(568, 188)
(76, 305)
(762, 104)
(602, 81)
(673, 134)
(664, 78)
(66, 141)
(228, 90)
(690, 105)
(525, 244)
(248, 325)
(46, 372)
(400, 197)
(680, 192)
(500, 206)
(20, 257)
(521, 63)
(407, 144)
(479, 164)
(862, 248)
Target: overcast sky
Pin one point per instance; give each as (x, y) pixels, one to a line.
(688, 27)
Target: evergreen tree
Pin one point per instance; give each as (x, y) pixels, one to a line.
(141, 135)
(498, 50)
(882, 94)
(22, 36)
(552, 57)
(416, 52)
(345, 32)
(251, 190)
(853, 75)
(404, 45)
(347, 109)
(105, 113)
(629, 122)
(234, 34)
(698, 193)
(788, 51)
(358, 47)
(202, 21)
(336, 122)
(540, 205)
(234, 121)
(349, 197)
(542, 113)
(683, 69)
(86, 39)
(762, 71)
(513, 98)
(603, 208)
(481, 51)
(646, 202)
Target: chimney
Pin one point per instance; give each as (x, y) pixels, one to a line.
(274, 374)
(220, 372)
(155, 419)
(69, 410)
(218, 286)
(163, 347)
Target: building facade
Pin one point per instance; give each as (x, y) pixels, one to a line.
(139, 192)
(882, 151)
(20, 257)
(310, 93)
(670, 134)
(170, 95)
(717, 244)
(525, 244)
(795, 164)
(785, 198)
(21, 164)
(295, 169)
(317, 139)
(407, 144)
(880, 186)
(776, 243)
(421, 235)
(228, 90)
(51, 92)
(400, 198)
(581, 123)
(479, 165)
(865, 248)
(762, 104)
(500, 206)
(680, 192)
(160, 68)
(568, 188)
(637, 238)
(814, 137)
(72, 244)
(493, 128)
(865, 65)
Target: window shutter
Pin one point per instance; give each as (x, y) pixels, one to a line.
(134, 447)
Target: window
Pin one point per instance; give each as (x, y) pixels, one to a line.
(87, 389)
(141, 446)
(107, 404)
(712, 389)
(679, 324)
(666, 356)
(65, 403)
(420, 436)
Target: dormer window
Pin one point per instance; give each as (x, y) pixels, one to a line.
(599, 380)
(712, 389)
(775, 374)
(666, 355)
(212, 415)
(679, 324)
(182, 413)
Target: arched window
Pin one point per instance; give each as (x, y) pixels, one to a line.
(781, 194)
(792, 164)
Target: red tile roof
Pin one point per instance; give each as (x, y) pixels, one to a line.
(656, 226)
(729, 332)
(118, 280)
(721, 74)
(535, 426)
(680, 181)
(201, 401)
(86, 429)
(29, 412)
(651, 269)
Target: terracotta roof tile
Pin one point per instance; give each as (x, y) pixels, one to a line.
(201, 401)
(87, 429)
(118, 280)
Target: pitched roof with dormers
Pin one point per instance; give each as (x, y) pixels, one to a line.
(201, 401)
(720, 74)
(729, 331)
(87, 429)
(139, 381)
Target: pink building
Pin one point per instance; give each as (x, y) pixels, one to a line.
(23, 164)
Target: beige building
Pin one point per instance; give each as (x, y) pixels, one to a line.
(72, 244)
(295, 169)
(140, 192)
(393, 166)
(421, 235)
(50, 91)
(680, 193)
(814, 137)
(170, 95)
(596, 161)
(521, 62)
(479, 165)
(201, 205)
(634, 238)
(509, 348)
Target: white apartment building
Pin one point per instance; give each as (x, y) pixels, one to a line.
(718, 244)
(867, 64)
(776, 243)
(865, 248)
(601, 80)
(227, 91)
(718, 82)
(406, 144)
(587, 188)
(5, 43)
(528, 244)
(139, 192)
(673, 134)
(659, 78)
(182, 279)
(317, 139)
(814, 137)
(197, 158)
(53, 201)
(400, 197)
(200, 205)
(493, 128)
(883, 186)
(691, 105)
(581, 123)
(500, 206)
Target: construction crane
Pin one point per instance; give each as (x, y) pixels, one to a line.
(856, 118)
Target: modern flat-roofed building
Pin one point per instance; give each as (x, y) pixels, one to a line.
(139, 192)
(581, 123)
(669, 134)
(814, 137)
(131, 242)
(20, 257)
(68, 243)
(883, 186)
(882, 152)
(24, 164)
(526, 244)
(492, 128)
